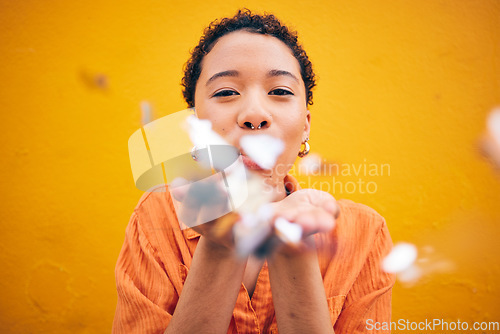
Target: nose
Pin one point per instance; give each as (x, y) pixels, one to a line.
(254, 116)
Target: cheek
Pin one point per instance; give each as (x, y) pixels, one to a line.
(292, 140)
(293, 126)
(204, 111)
(293, 131)
(222, 123)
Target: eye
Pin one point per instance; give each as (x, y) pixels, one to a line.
(225, 92)
(280, 91)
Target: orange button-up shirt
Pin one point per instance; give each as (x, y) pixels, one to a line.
(156, 255)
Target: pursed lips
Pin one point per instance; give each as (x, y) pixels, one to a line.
(249, 163)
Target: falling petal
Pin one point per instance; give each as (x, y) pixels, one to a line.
(434, 265)
(490, 141)
(211, 150)
(263, 149)
(146, 113)
(410, 275)
(402, 256)
(428, 249)
(424, 267)
(265, 212)
(249, 220)
(310, 164)
(201, 133)
(249, 233)
(253, 229)
(493, 124)
(256, 194)
(288, 232)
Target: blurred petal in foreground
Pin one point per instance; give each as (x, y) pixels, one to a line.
(263, 149)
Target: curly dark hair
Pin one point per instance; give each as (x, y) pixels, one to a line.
(266, 24)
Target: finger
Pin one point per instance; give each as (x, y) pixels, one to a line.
(188, 212)
(289, 215)
(212, 212)
(194, 197)
(325, 221)
(203, 203)
(325, 201)
(307, 221)
(315, 221)
(332, 208)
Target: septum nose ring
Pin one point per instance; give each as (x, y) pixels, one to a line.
(252, 127)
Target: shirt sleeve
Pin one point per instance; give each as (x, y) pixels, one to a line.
(369, 299)
(146, 296)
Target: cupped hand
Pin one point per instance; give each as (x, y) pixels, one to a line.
(203, 206)
(313, 210)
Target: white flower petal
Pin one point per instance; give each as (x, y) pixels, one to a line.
(249, 234)
(249, 220)
(493, 124)
(255, 194)
(265, 212)
(410, 275)
(402, 256)
(263, 149)
(310, 164)
(287, 231)
(201, 133)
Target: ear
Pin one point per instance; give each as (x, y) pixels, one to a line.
(307, 126)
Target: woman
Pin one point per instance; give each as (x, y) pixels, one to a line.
(248, 75)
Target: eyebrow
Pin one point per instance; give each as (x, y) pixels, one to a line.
(234, 73)
(276, 73)
(230, 73)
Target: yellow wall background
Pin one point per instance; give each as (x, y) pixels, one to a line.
(405, 83)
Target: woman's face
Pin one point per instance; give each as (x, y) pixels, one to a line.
(252, 79)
